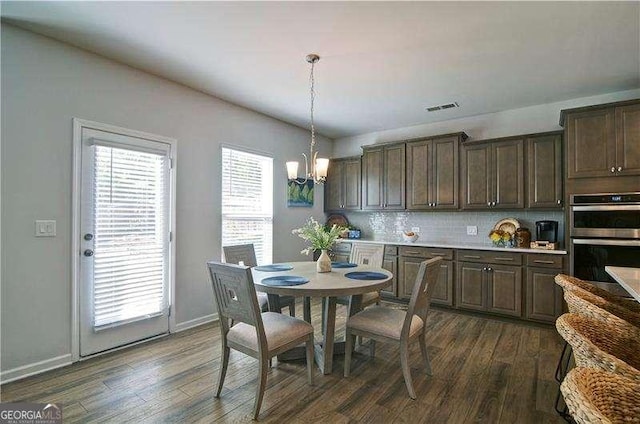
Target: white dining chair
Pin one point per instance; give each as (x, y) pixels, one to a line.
(246, 254)
(259, 335)
(391, 325)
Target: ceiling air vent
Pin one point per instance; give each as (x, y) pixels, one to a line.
(442, 107)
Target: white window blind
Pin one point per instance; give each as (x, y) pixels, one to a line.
(130, 191)
(247, 201)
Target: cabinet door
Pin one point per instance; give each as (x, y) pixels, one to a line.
(372, 170)
(544, 182)
(508, 174)
(407, 272)
(590, 142)
(543, 295)
(471, 287)
(444, 173)
(628, 140)
(333, 186)
(352, 180)
(419, 162)
(394, 176)
(505, 290)
(443, 291)
(390, 263)
(476, 176)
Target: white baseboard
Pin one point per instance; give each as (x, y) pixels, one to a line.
(35, 368)
(181, 326)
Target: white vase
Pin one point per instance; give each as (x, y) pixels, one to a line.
(323, 264)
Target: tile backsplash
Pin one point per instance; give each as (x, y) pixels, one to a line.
(446, 226)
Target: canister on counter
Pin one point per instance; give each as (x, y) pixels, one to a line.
(523, 237)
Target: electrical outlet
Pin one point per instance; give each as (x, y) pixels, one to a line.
(472, 230)
(415, 229)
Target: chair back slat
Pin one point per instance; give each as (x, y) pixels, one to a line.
(367, 254)
(244, 253)
(234, 293)
(422, 290)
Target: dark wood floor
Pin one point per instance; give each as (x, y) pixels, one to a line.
(484, 370)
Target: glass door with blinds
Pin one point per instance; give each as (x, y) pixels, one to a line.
(125, 247)
(247, 201)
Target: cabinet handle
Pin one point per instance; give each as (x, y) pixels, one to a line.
(490, 269)
(613, 169)
(559, 202)
(472, 256)
(485, 269)
(539, 261)
(504, 259)
(619, 169)
(494, 203)
(434, 254)
(488, 203)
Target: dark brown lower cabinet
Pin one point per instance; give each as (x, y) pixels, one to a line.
(543, 296)
(504, 290)
(390, 263)
(408, 267)
(491, 288)
(470, 286)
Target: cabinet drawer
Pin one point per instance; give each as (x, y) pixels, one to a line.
(426, 252)
(492, 257)
(341, 247)
(390, 250)
(545, 261)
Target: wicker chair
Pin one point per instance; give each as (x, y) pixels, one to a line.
(595, 396)
(584, 303)
(568, 282)
(598, 344)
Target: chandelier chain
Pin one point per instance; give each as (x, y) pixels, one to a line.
(313, 96)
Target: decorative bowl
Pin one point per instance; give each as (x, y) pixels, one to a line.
(409, 237)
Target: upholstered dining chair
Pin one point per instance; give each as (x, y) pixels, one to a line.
(259, 335)
(246, 254)
(385, 324)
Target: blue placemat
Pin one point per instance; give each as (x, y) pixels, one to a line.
(365, 275)
(284, 280)
(343, 265)
(274, 267)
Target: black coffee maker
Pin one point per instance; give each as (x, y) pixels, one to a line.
(547, 231)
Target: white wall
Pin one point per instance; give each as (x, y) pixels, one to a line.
(44, 85)
(532, 119)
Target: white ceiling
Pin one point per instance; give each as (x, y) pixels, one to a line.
(382, 62)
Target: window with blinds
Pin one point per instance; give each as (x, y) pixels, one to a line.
(130, 213)
(247, 201)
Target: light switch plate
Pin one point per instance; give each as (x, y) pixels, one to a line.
(472, 230)
(415, 229)
(45, 228)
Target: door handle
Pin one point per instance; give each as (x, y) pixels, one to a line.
(619, 169)
(88, 253)
(613, 169)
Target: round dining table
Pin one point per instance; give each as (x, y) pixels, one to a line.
(328, 285)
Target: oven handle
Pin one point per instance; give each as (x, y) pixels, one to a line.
(606, 208)
(607, 242)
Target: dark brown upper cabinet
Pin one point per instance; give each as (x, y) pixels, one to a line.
(603, 140)
(432, 172)
(343, 187)
(544, 171)
(383, 177)
(493, 174)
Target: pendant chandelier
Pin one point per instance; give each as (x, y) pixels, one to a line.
(315, 167)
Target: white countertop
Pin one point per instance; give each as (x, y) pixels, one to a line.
(478, 246)
(629, 278)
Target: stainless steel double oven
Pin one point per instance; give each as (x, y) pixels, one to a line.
(604, 230)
